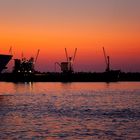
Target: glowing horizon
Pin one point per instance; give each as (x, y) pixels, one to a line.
(52, 25)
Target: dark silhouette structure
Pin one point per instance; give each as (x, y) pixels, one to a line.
(74, 77)
(67, 66)
(109, 74)
(25, 66)
(24, 71)
(4, 59)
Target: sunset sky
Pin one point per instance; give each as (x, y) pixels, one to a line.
(52, 25)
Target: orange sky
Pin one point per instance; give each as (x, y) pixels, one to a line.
(52, 25)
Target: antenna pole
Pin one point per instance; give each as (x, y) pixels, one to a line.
(37, 55)
(10, 50)
(108, 63)
(66, 54)
(74, 54)
(105, 56)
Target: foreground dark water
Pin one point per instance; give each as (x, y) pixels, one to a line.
(75, 111)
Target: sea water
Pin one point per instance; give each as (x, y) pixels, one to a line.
(70, 111)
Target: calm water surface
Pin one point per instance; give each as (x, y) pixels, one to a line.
(70, 111)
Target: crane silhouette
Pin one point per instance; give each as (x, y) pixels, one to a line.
(67, 66)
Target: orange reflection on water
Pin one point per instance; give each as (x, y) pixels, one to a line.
(69, 110)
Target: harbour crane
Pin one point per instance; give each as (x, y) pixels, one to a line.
(67, 66)
(24, 65)
(107, 60)
(110, 74)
